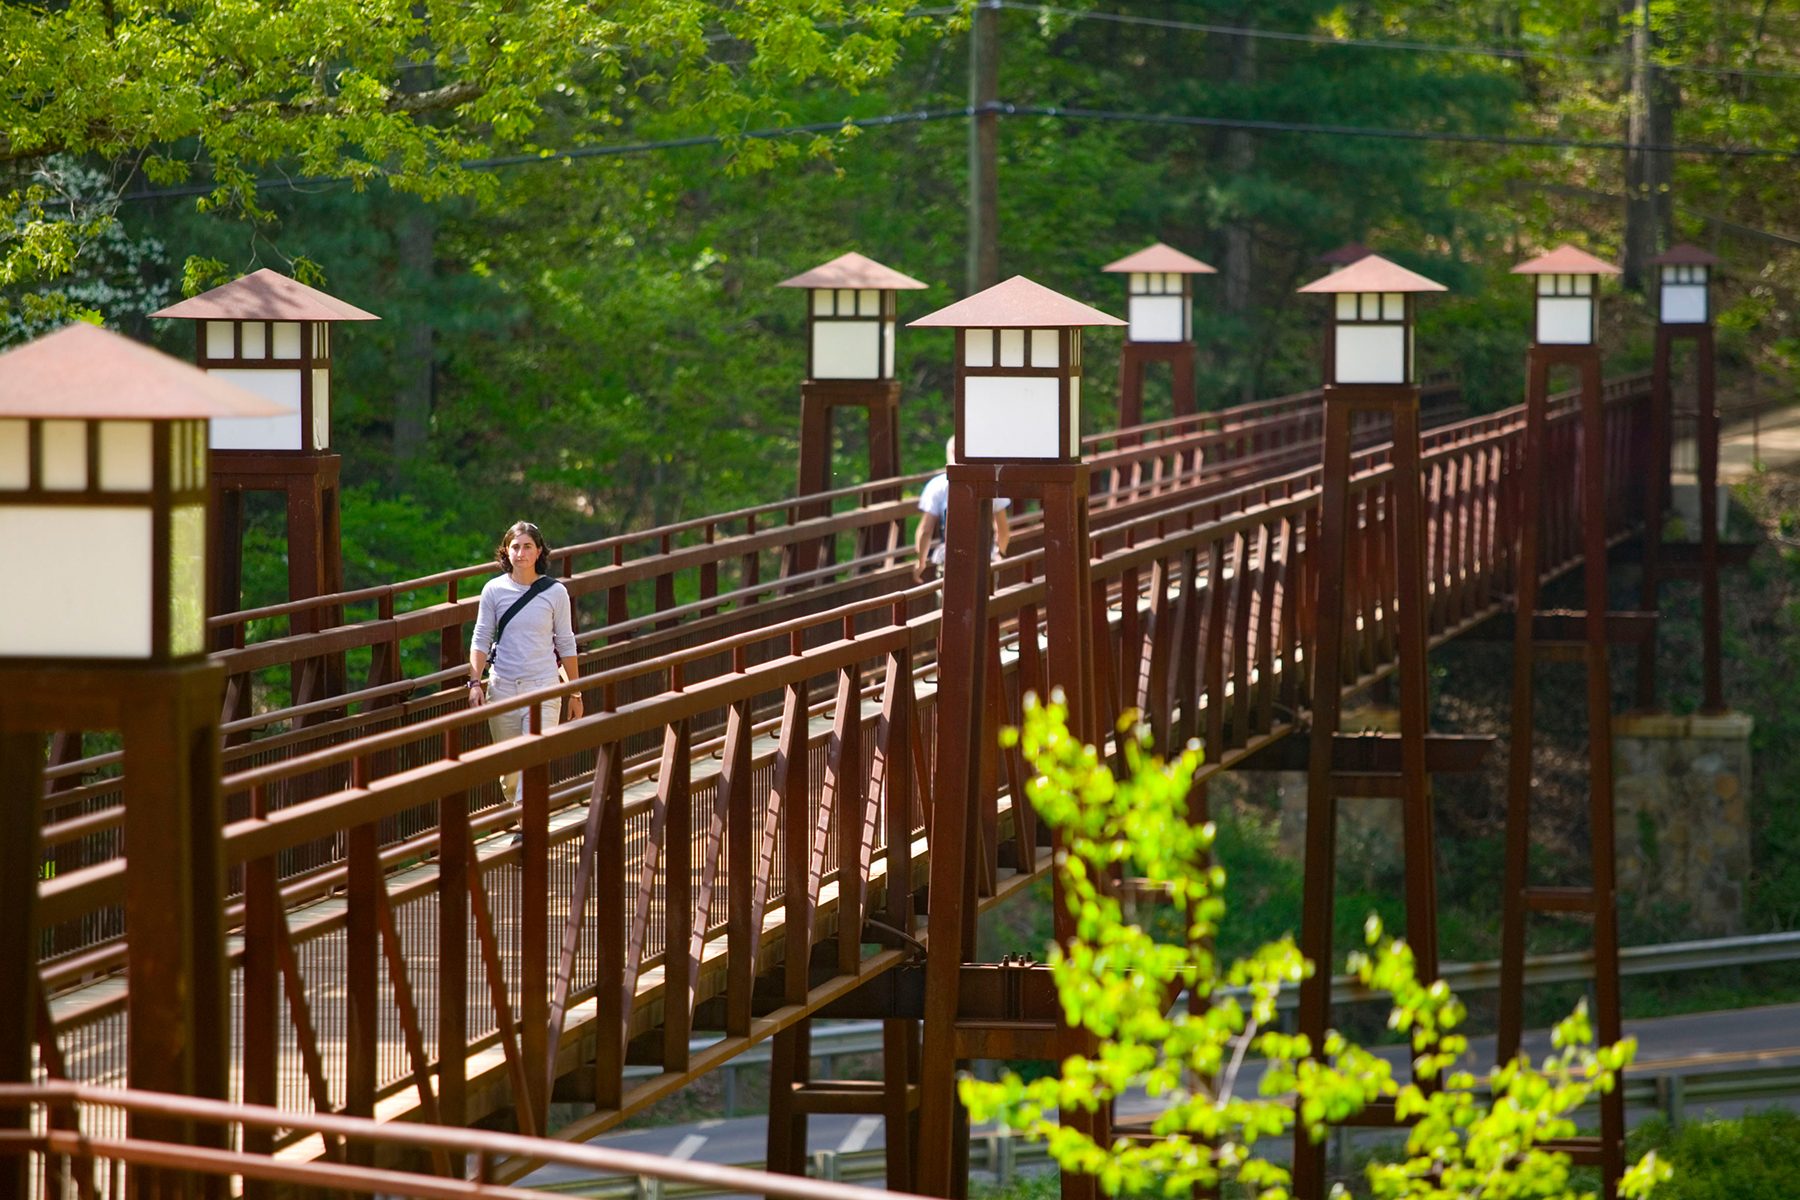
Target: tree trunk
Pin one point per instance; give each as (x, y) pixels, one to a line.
(1240, 157)
(1649, 199)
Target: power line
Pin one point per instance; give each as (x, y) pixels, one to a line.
(616, 151)
(1511, 54)
(1004, 109)
(1683, 149)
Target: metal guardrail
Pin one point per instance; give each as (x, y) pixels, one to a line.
(833, 1041)
(1003, 1154)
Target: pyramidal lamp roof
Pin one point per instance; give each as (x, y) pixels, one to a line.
(85, 372)
(853, 270)
(1684, 254)
(1159, 259)
(1017, 303)
(1373, 274)
(1566, 260)
(265, 295)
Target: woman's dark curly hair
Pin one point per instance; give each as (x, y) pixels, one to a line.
(531, 531)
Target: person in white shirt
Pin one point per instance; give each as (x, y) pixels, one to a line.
(535, 650)
(934, 502)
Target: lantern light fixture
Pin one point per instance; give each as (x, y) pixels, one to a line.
(850, 316)
(1685, 275)
(1159, 305)
(1568, 286)
(1018, 371)
(1343, 256)
(1371, 321)
(103, 455)
(271, 335)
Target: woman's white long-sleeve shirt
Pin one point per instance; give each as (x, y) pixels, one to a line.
(542, 634)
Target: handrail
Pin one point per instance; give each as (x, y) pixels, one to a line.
(485, 1145)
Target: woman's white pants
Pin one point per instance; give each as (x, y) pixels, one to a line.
(512, 722)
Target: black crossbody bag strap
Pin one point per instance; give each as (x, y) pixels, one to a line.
(538, 588)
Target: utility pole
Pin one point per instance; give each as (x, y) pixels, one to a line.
(984, 146)
(1649, 202)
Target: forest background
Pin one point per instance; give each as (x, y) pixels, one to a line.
(583, 328)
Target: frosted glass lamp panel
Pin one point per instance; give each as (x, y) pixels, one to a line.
(125, 457)
(1073, 450)
(218, 339)
(187, 580)
(1044, 348)
(846, 349)
(1584, 285)
(100, 611)
(978, 348)
(1371, 354)
(822, 302)
(287, 339)
(65, 463)
(1565, 320)
(1684, 303)
(1139, 283)
(887, 349)
(15, 455)
(1346, 306)
(1393, 306)
(256, 339)
(1156, 319)
(187, 456)
(321, 340)
(868, 302)
(1011, 417)
(1012, 347)
(321, 409)
(261, 433)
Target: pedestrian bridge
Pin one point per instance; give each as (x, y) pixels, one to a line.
(735, 839)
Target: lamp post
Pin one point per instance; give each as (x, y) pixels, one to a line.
(1159, 308)
(1368, 369)
(272, 335)
(851, 311)
(1684, 311)
(1565, 333)
(103, 463)
(1018, 434)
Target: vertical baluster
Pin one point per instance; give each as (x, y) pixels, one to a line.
(853, 833)
(261, 1042)
(453, 956)
(612, 986)
(676, 795)
(534, 923)
(743, 937)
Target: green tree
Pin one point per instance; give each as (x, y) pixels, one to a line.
(1115, 980)
(397, 90)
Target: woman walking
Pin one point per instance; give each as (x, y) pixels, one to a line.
(525, 633)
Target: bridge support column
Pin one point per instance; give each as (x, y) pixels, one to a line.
(1656, 505)
(21, 792)
(1598, 899)
(956, 822)
(177, 1024)
(1396, 513)
(819, 399)
(1132, 363)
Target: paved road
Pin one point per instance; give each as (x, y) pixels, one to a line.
(1700, 1043)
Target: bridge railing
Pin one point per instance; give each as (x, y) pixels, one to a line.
(84, 818)
(74, 1141)
(679, 843)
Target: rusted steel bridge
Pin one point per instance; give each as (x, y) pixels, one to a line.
(734, 841)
